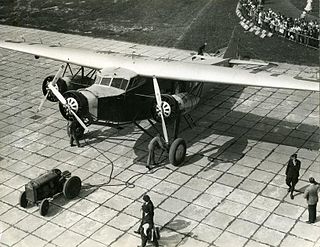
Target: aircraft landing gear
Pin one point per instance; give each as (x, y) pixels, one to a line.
(177, 152)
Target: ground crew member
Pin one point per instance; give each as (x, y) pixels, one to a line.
(75, 129)
(148, 207)
(292, 173)
(201, 49)
(153, 144)
(147, 229)
(311, 194)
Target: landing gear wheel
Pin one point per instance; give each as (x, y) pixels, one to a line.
(23, 200)
(72, 187)
(177, 152)
(44, 207)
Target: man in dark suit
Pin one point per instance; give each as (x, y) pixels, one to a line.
(292, 173)
(311, 194)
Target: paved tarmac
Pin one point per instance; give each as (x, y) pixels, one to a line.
(231, 191)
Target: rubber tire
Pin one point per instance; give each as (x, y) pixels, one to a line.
(177, 152)
(72, 187)
(44, 207)
(23, 200)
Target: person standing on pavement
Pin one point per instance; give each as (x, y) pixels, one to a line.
(75, 130)
(311, 194)
(147, 231)
(153, 144)
(292, 173)
(147, 209)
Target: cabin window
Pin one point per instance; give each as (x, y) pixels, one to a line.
(137, 81)
(119, 83)
(116, 82)
(106, 81)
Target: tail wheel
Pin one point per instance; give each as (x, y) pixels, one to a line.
(61, 86)
(72, 187)
(177, 152)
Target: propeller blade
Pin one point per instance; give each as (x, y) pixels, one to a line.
(42, 101)
(79, 120)
(53, 83)
(57, 75)
(159, 105)
(64, 102)
(57, 94)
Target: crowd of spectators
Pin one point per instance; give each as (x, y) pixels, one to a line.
(296, 29)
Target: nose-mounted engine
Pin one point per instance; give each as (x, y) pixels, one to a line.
(77, 102)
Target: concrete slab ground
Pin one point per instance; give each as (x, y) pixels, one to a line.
(230, 192)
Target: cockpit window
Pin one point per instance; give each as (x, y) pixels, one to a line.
(116, 82)
(119, 83)
(124, 84)
(106, 81)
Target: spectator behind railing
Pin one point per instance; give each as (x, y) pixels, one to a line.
(298, 29)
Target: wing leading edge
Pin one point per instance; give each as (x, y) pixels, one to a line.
(165, 69)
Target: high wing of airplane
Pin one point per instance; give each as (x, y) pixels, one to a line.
(166, 69)
(126, 88)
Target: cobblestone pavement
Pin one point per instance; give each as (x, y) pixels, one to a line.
(231, 191)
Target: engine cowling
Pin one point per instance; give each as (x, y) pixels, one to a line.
(169, 108)
(173, 105)
(186, 102)
(78, 103)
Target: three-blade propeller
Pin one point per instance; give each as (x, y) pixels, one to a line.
(55, 91)
(159, 106)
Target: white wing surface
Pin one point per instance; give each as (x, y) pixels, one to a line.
(165, 69)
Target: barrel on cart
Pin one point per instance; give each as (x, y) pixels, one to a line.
(44, 188)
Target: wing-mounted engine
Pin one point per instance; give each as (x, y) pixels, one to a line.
(78, 103)
(61, 86)
(169, 108)
(175, 104)
(186, 101)
(65, 84)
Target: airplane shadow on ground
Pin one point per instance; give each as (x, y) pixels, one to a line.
(212, 121)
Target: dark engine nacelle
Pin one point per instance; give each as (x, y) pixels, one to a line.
(173, 105)
(61, 86)
(65, 84)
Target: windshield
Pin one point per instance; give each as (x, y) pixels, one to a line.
(119, 83)
(105, 81)
(115, 82)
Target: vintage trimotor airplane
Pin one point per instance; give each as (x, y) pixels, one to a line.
(111, 88)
